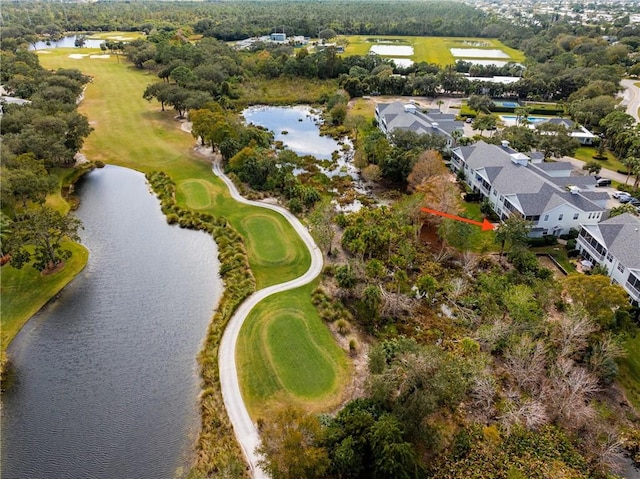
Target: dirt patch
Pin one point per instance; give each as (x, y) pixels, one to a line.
(53, 270)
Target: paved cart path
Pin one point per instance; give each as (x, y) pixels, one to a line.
(245, 430)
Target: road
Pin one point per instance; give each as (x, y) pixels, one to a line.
(245, 430)
(631, 97)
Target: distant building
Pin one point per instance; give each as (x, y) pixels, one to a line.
(406, 116)
(278, 37)
(613, 243)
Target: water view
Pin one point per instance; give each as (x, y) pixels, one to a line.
(106, 379)
(297, 127)
(65, 42)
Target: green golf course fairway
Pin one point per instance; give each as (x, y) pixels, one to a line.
(430, 49)
(131, 132)
(285, 354)
(295, 360)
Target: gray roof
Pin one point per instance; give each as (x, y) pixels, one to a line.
(621, 235)
(396, 116)
(534, 191)
(555, 165)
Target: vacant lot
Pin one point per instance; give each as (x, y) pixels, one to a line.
(430, 49)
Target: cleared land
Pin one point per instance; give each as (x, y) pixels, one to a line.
(430, 49)
(287, 355)
(629, 376)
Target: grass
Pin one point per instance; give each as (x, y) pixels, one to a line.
(480, 241)
(25, 291)
(131, 132)
(428, 49)
(286, 91)
(559, 253)
(585, 153)
(629, 372)
(286, 354)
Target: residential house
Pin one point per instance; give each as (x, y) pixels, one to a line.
(407, 116)
(547, 194)
(615, 244)
(579, 132)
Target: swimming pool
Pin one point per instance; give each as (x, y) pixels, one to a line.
(511, 119)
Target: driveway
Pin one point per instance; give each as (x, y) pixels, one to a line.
(631, 97)
(245, 430)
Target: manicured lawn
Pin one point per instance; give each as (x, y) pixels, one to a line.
(131, 132)
(286, 354)
(429, 49)
(24, 291)
(629, 375)
(585, 153)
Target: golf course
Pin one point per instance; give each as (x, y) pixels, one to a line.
(286, 353)
(436, 50)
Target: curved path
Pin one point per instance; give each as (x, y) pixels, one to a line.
(246, 432)
(631, 97)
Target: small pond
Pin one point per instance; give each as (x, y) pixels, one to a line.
(498, 63)
(298, 128)
(66, 42)
(402, 62)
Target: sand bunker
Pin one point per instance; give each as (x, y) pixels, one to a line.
(399, 50)
(478, 53)
(42, 51)
(78, 56)
(99, 56)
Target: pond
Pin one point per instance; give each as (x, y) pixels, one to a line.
(402, 62)
(66, 42)
(298, 128)
(106, 381)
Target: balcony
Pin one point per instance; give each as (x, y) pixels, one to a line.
(633, 291)
(590, 249)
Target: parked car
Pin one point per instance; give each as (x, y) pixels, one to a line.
(625, 199)
(634, 202)
(603, 182)
(619, 194)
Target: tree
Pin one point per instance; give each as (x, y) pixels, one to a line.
(327, 34)
(290, 447)
(485, 122)
(429, 163)
(514, 230)
(480, 103)
(45, 229)
(321, 225)
(633, 169)
(393, 456)
(554, 140)
(593, 167)
(26, 179)
(598, 297)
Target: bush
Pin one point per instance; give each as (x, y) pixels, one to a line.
(571, 244)
(473, 197)
(546, 240)
(573, 253)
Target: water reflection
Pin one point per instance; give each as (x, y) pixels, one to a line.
(106, 376)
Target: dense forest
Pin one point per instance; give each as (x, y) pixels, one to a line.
(481, 362)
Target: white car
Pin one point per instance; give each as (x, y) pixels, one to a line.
(620, 195)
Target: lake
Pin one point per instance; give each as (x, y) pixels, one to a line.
(66, 42)
(106, 381)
